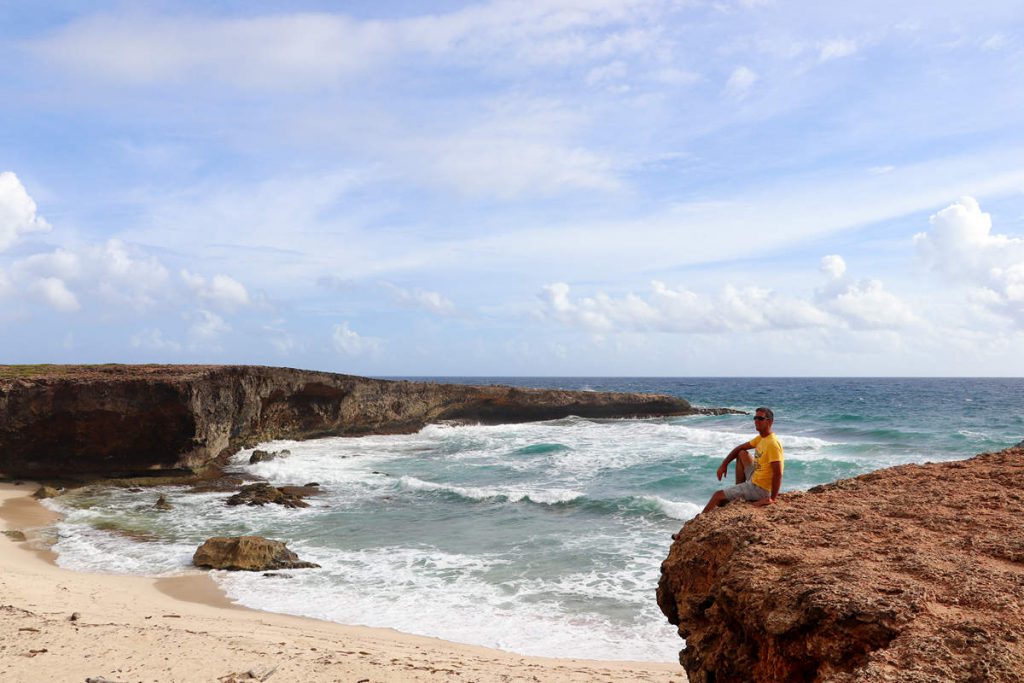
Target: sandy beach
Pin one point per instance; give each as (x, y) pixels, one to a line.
(58, 625)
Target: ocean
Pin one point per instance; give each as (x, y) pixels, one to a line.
(543, 538)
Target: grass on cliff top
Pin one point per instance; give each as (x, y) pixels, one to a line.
(45, 370)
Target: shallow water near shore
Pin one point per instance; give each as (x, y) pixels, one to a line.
(542, 538)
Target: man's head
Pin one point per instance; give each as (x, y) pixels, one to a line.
(763, 419)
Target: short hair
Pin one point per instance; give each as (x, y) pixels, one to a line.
(767, 412)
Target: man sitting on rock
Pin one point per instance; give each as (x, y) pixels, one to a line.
(758, 479)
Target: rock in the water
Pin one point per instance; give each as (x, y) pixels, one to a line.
(262, 493)
(46, 492)
(261, 456)
(247, 553)
(913, 573)
(15, 535)
(162, 504)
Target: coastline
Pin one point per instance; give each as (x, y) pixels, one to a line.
(185, 629)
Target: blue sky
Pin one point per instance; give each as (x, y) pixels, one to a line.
(563, 187)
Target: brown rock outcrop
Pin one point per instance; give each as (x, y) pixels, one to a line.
(262, 493)
(911, 574)
(247, 553)
(122, 419)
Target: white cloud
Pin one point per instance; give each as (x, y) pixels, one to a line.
(960, 246)
(304, 50)
(152, 339)
(836, 49)
(206, 329)
(281, 339)
(60, 263)
(833, 265)
(866, 305)
(17, 211)
(434, 302)
(350, 343)
(125, 274)
(521, 147)
(746, 309)
(55, 294)
(117, 273)
(223, 291)
(841, 304)
(741, 80)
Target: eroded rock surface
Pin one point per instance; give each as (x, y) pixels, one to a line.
(262, 493)
(911, 574)
(247, 553)
(60, 421)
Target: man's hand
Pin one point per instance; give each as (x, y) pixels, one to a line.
(722, 470)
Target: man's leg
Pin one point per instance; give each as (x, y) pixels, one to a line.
(717, 499)
(744, 466)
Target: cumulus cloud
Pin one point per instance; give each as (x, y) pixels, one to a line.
(866, 305)
(115, 272)
(206, 329)
(741, 80)
(54, 293)
(833, 265)
(860, 304)
(17, 211)
(841, 304)
(664, 309)
(351, 343)
(420, 298)
(960, 246)
(223, 291)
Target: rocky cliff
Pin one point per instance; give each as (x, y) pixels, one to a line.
(101, 420)
(911, 574)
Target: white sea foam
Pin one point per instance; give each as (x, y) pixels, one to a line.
(513, 495)
(682, 510)
(388, 587)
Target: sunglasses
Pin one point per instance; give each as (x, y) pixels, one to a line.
(760, 417)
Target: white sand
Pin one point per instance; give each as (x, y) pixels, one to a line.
(184, 629)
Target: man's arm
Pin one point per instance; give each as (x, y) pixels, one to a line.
(724, 467)
(776, 485)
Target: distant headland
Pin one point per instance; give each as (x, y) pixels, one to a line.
(128, 420)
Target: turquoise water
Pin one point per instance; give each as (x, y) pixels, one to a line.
(541, 538)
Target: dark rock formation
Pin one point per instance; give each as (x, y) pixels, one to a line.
(64, 421)
(260, 456)
(162, 503)
(911, 574)
(262, 493)
(247, 553)
(45, 492)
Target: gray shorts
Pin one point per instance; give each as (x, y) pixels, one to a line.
(748, 490)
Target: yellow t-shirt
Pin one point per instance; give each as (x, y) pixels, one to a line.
(767, 450)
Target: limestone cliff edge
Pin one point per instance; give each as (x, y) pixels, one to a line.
(59, 421)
